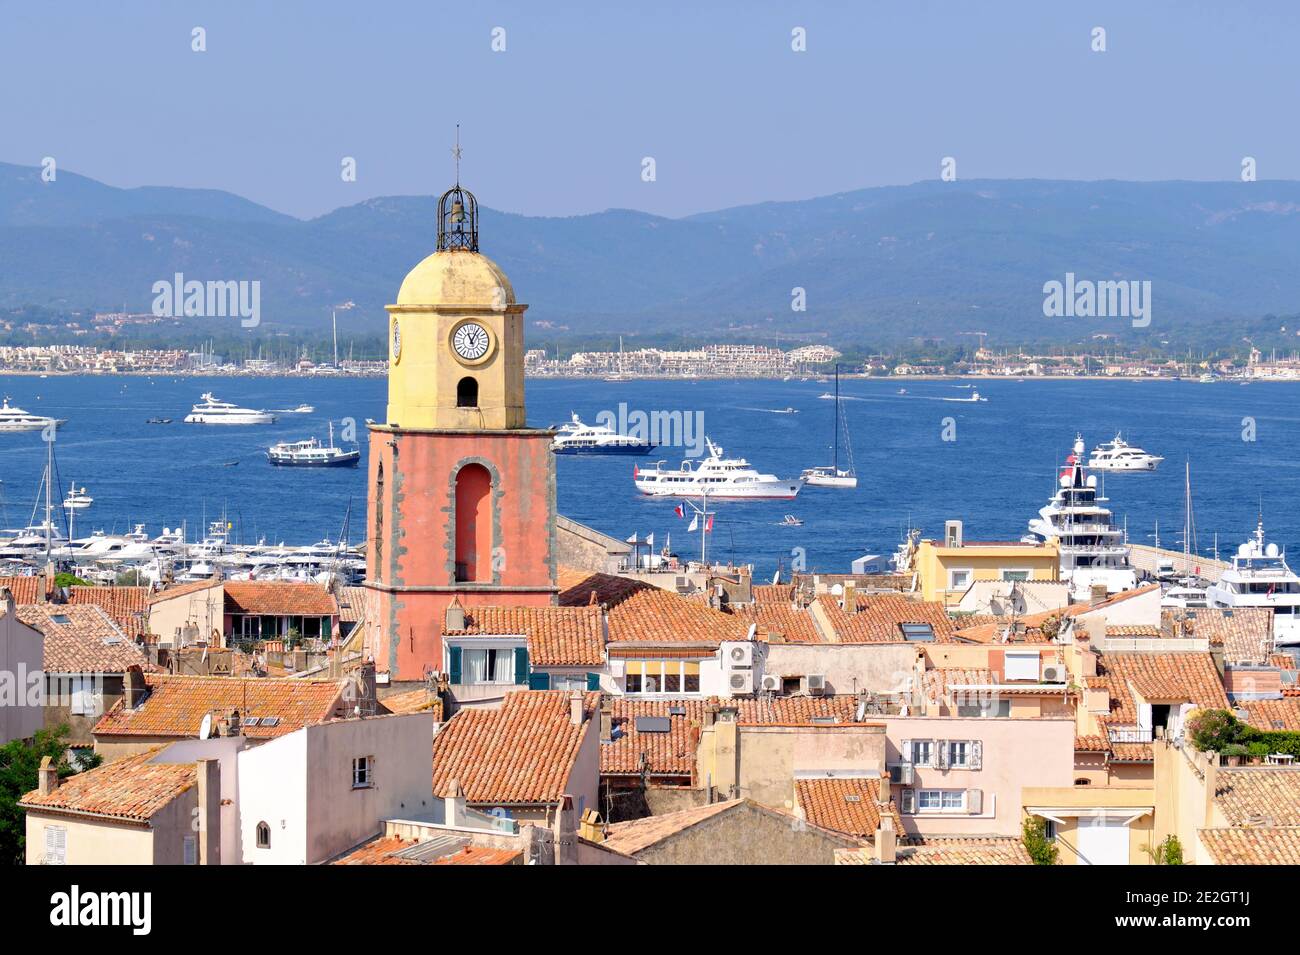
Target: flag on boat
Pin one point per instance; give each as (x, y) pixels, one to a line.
(695, 522)
(650, 539)
(680, 510)
(636, 471)
(708, 528)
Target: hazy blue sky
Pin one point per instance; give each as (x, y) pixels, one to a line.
(559, 122)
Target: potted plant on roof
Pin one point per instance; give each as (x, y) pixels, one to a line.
(1232, 753)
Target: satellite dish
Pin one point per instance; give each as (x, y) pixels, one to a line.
(1270, 550)
(753, 629)
(837, 590)
(205, 726)
(1092, 480)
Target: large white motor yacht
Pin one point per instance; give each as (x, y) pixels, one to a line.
(16, 419)
(719, 477)
(578, 438)
(212, 411)
(1259, 577)
(1119, 455)
(1093, 550)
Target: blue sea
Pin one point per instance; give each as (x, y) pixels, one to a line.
(995, 476)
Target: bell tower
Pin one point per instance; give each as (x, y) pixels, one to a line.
(462, 493)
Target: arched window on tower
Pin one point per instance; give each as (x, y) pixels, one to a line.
(473, 524)
(263, 836)
(467, 393)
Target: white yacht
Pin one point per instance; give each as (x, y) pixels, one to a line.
(578, 438)
(313, 454)
(719, 477)
(835, 476)
(16, 419)
(77, 500)
(212, 411)
(1119, 455)
(1259, 577)
(1093, 550)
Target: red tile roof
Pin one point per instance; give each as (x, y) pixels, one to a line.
(848, 805)
(1283, 714)
(879, 617)
(631, 837)
(26, 589)
(1264, 845)
(133, 788)
(557, 636)
(1182, 676)
(176, 705)
(1245, 633)
(82, 639)
(377, 851)
(182, 590)
(958, 851)
(481, 855)
(641, 613)
(128, 606)
(522, 753)
(781, 622)
(279, 598)
(1259, 796)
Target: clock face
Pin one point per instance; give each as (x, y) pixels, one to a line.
(397, 341)
(471, 341)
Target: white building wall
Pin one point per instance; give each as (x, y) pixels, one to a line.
(272, 783)
(21, 659)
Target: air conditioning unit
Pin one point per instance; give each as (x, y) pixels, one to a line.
(740, 682)
(771, 683)
(1054, 673)
(902, 773)
(737, 654)
(816, 683)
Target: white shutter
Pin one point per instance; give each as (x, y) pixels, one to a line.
(974, 801)
(79, 695)
(188, 848)
(56, 845)
(976, 754)
(908, 801)
(941, 753)
(905, 750)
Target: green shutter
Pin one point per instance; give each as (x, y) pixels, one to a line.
(539, 681)
(521, 665)
(327, 627)
(453, 664)
(593, 681)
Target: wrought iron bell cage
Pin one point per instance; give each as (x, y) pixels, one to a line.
(458, 220)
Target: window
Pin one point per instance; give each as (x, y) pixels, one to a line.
(958, 754)
(922, 752)
(488, 665)
(959, 579)
(56, 845)
(1021, 666)
(263, 836)
(940, 800)
(661, 676)
(986, 708)
(189, 851)
(467, 393)
(1021, 575)
(473, 524)
(568, 681)
(363, 772)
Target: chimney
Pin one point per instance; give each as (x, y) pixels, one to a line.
(7, 602)
(48, 776)
(453, 804)
(566, 833)
(886, 841)
(850, 596)
(209, 818)
(455, 617)
(607, 721)
(882, 793)
(232, 724)
(575, 708)
(47, 586)
(136, 688)
(1096, 594)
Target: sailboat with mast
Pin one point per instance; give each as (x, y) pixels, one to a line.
(1189, 590)
(835, 476)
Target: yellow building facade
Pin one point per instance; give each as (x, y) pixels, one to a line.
(946, 569)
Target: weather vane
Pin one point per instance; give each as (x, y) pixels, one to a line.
(455, 152)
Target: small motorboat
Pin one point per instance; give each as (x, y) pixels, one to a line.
(228, 464)
(790, 521)
(159, 421)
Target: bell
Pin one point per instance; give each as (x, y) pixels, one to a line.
(458, 211)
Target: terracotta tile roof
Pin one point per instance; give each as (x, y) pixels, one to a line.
(26, 590)
(1138, 630)
(1091, 744)
(1245, 633)
(523, 752)
(352, 604)
(176, 705)
(1283, 661)
(845, 805)
(879, 616)
(82, 639)
(128, 606)
(481, 855)
(781, 622)
(773, 593)
(639, 612)
(673, 753)
(993, 633)
(1132, 753)
(984, 851)
(632, 837)
(1259, 796)
(1283, 714)
(181, 590)
(378, 851)
(1179, 675)
(279, 598)
(557, 636)
(1265, 845)
(414, 701)
(133, 788)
